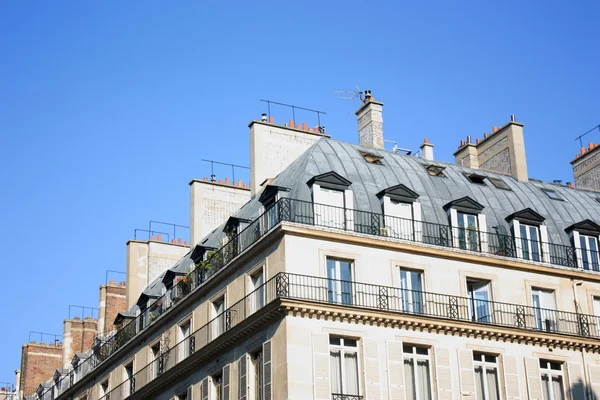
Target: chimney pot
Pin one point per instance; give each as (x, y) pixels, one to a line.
(205, 179)
(291, 125)
(477, 141)
(512, 118)
(159, 238)
(425, 140)
(271, 120)
(485, 135)
(582, 150)
(220, 181)
(468, 139)
(304, 126)
(245, 185)
(227, 181)
(152, 238)
(239, 182)
(185, 243)
(494, 129)
(111, 282)
(297, 126)
(590, 146)
(122, 283)
(179, 241)
(173, 241)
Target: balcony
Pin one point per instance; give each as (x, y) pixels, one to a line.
(337, 396)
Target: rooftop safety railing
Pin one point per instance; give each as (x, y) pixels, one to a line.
(364, 296)
(338, 218)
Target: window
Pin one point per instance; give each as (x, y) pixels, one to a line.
(256, 388)
(185, 330)
(104, 389)
(479, 300)
(589, 252)
(339, 281)
(552, 194)
(544, 309)
(184, 395)
(417, 376)
(596, 301)
(435, 170)
(552, 380)
(127, 379)
(477, 179)
(412, 291)
(271, 212)
(499, 183)
(371, 158)
(218, 314)
(486, 376)
(530, 243)
(217, 382)
(344, 366)
(399, 219)
(468, 234)
(330, 212)
(155, 367)
(257, 291)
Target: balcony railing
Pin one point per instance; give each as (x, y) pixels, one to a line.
(338, 396)
(365, 296)
(308, 213)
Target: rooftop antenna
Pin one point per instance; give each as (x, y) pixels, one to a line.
(580, 137)
(396, 149)
(351, 94)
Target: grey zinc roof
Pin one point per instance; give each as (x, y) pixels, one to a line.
(434, 191)
(184, 264)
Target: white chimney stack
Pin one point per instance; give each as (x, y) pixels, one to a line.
(427, 150)
(370, 122)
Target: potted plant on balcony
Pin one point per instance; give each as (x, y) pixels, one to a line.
(212, 259)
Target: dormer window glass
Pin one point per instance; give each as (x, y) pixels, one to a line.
(468, 238)
(552, 194)
(530, 242)
(589, 252)
(469, 228)
(585, 235)
(332, 201)
(499, 183)
(531, 235)
(402, 213)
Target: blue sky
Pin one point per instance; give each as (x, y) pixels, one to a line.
(108, 107)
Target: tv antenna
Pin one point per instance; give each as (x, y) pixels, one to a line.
(351, 95)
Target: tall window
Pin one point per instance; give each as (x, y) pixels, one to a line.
(256, 387)
(486, 376)
(330, 212)
(530, 242)
(127, 378)
(217, 382)
(544, 308)
(399, 219)
(257, 301)
(218, 313)
(412, 291)
(468, 235)
(597, 314)
(417, 376)
(155, 361)
(104, 389)
(271, 213)
(339, 278)
(479, 300)
(185, 330)
(552, 380)
(589, 252)
(344, 366)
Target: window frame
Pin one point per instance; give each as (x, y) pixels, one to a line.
(343, 349)
(259, 300)
(414, 356)
(476, 179)
(552, 194)
(541, 311)
(551, 373)
(589, 253)
(256, 382)
(485, 365)
(473, 305)
(219, 326)
(336, 285)
(498, 183)
(185, 348)
(409, 306)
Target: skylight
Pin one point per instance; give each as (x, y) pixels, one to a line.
(477, 179)
(499, 183)
(552, 194)
(371, 158)
(435, 170)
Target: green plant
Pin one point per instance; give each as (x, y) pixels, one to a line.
(209, 262)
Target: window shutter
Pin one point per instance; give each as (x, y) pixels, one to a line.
(594, 371)
(204, 395)
(321, 366)
(511, 377)
(467, 374)
(267, 369)
(534, 380)
(517, 236)
(372, 379)
(483, 235)
(443, 373)
(242, 377)
(576, 381)
(226, 379)
(189, 393)
(395, 371)
(544, 245)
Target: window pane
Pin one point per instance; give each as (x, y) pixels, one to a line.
(492, 384)
(546, 387)
(409, 379)
(351, 378)
(557, 387)
(423, 379)
(479, 383)
(336, 372)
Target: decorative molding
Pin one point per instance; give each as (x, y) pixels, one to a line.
(527, 215)
(399, 193)
(331, 180)
(465, 204)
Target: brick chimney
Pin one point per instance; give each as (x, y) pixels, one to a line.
(586, 167)
(370, 122)
(78, 336)
(39, 361)
(112, 302)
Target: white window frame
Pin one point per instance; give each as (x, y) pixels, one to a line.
(402, 228)
(596, 308)
(473, 306)
(127, 386)
(580, 250)
(104, 388)
(543, 310)
(217, 386)
(412, 355)
(184, 348)
(256, 361)
(154, 359)
(481, 230)
(258, 300)
(409, 306)
(344, 349)
(338, 293)
(542, 241)
(347, 214)
(218, 327)
(486, 365)
(551, 373)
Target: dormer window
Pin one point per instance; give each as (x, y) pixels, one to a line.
(475, 178)
(332, 201)
(269, 199)
(585, 235)
(531, 235)
(469, 229)
(435, 170)
(402, 213)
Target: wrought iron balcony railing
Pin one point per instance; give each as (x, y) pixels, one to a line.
(339, 396)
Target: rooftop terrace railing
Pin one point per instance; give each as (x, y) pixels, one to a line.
(365, 296)
(338, 218)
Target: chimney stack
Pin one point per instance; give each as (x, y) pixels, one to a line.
(427, 150)
(586, 167)
(370, 122)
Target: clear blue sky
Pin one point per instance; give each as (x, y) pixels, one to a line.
(108, 107)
